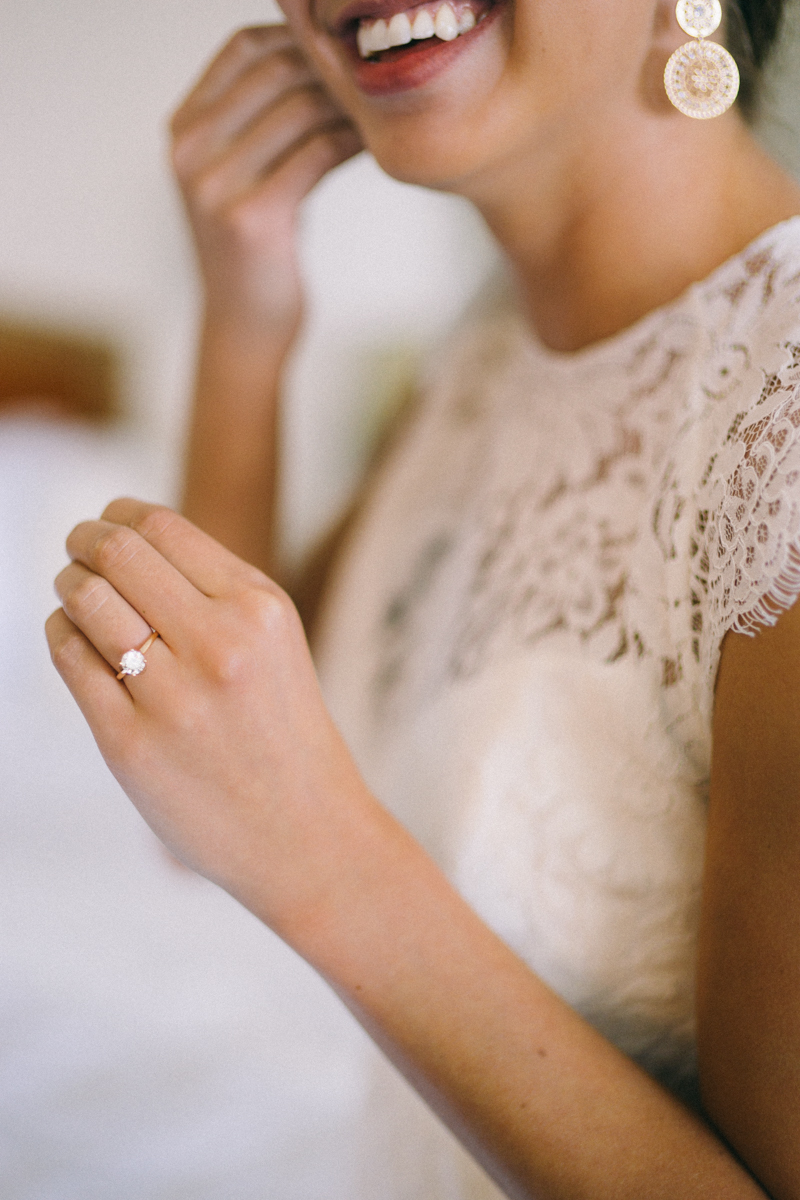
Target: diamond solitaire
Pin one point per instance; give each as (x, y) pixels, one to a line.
(133, 662)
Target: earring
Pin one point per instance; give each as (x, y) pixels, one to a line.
(701, 78)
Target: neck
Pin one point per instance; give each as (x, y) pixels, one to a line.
(602, 232)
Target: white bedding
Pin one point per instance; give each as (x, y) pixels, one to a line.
(156, 1042)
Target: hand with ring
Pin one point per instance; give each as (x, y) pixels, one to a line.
(224, 742)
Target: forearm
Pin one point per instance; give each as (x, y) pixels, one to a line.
(232, 467)
(549, 1107)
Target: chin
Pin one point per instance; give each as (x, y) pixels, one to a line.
(444, 146)
(451, 150)
(424, 109)
(433, 162)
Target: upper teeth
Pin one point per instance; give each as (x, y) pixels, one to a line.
(413, 25)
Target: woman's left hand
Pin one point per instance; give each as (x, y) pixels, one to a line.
(224, 742)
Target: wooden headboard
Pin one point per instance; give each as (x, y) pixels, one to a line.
(57, 371)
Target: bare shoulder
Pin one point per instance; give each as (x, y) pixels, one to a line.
(749, 953)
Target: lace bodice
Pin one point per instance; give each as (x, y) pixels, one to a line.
(522, 642)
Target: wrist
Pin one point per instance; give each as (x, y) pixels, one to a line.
(245, 331)
(324, 890)
(370, 885)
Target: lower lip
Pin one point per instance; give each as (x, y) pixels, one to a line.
(414, 68)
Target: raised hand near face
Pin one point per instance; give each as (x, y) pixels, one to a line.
(250, 141)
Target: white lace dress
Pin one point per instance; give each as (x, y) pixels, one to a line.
(521, 645)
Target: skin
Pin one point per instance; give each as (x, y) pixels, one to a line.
(608, 203)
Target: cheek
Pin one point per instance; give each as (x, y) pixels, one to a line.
(582, 51)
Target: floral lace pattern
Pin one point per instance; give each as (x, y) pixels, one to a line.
(561, 538)
(522, 644)
(746, 535)
(536, 536)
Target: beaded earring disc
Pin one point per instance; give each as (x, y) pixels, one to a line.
(701, 78)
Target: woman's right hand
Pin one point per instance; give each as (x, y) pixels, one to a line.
(257, 132)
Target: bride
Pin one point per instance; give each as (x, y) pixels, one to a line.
(532, 809)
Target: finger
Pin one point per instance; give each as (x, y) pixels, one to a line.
(245, 48)
(202, 140)
(211, 568)
(106, 706)
(300, 171)
(159, 592)
(287, 124)
(98, 610)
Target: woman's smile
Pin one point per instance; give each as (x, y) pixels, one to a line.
(393, 49)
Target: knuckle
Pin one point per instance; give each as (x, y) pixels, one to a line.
(67, 653)
(247, 38)
(179, 154)
(177, 124)
(288, 58)
(323, 145)
(229, 663)
(268, 610)
(113, 507)
(155, 521)
(306, 103)
(119, 509)
(259, 620)
(207, 193)
(88, 596)
(186, 152)
(281, 67)
(257, 38)
(249, 43)
(245, 219)
(115, 547)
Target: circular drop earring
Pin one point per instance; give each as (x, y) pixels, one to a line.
(701, 78)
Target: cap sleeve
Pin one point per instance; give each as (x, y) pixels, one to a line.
(745, 545)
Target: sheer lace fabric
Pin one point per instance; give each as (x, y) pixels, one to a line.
(522, 641)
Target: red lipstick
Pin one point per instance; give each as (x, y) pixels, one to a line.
(402, 67)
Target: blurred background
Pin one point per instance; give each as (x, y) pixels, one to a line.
(155, 1040)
